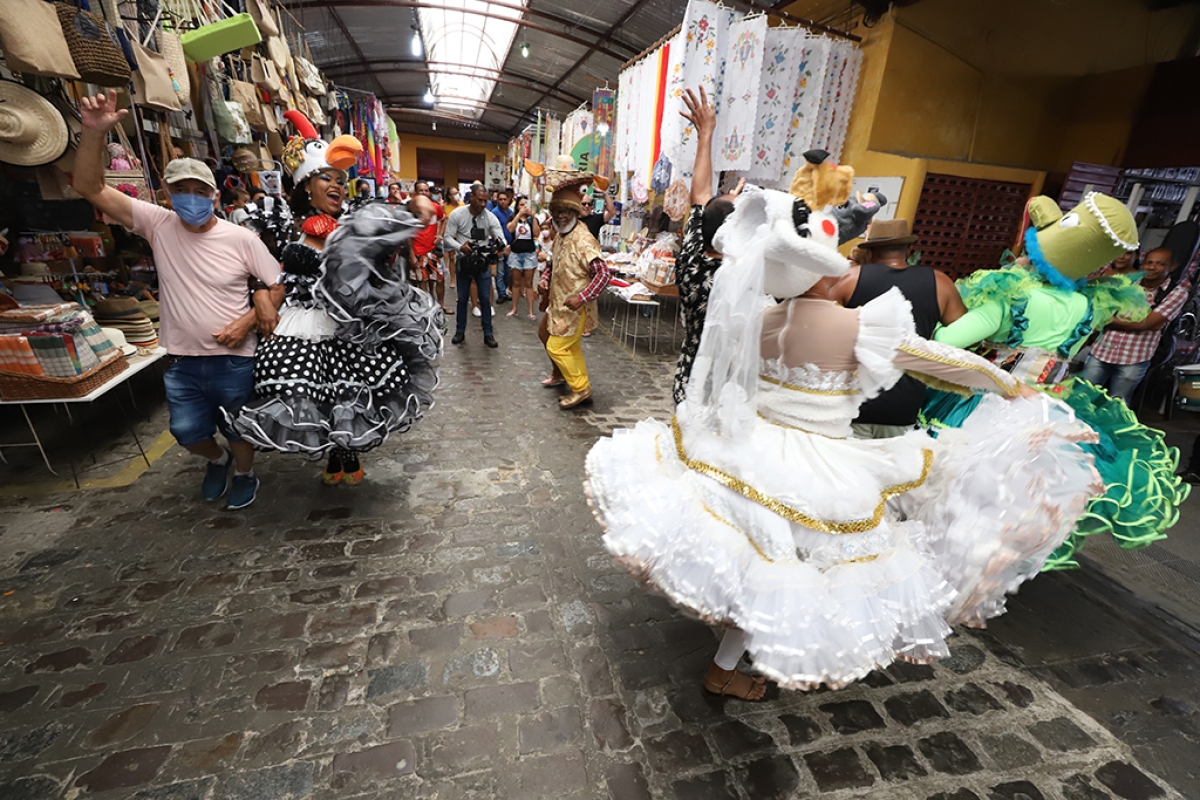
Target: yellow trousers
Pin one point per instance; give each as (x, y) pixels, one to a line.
(567, 354)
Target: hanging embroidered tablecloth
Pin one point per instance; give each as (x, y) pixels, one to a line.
(700, 49)
(841, 80)
(806, 103)
(553, 140)
(625, 118)
(783, 53)
(734, 143)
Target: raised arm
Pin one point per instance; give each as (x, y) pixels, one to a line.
(701, 113)
(100, 115)
(950, 367)
(950, 302)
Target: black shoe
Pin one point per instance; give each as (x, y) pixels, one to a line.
(501, 300)
(490, 341)
(459, 338)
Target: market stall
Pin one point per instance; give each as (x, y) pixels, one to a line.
(207, 80)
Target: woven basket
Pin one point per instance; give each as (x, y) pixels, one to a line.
(97, 56)
(15, 386)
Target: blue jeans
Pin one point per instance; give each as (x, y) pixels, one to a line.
(200, 389)
(484, 281)
(1121, 380)
(503, 276)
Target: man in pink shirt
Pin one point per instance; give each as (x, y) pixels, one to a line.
(204, 265)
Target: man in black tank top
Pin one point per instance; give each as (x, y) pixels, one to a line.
(934, 299)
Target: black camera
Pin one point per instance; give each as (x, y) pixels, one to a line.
(482, 256)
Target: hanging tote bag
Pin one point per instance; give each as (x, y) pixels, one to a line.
(263, 73)
(131, 180)
(152, 81)
(246, 94)
(220, 36)
(171, 49)
(261, 13)
(33, 40)
(94, 52)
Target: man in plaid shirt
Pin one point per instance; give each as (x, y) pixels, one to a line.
(1121, 356)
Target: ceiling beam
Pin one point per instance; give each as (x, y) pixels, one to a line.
(337, 18)
(605, 38)
(486, 105)
(378, 67)
(593, 48)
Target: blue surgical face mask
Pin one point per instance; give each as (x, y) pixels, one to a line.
(192, 208)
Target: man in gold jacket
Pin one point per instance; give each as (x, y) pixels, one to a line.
(577, 276)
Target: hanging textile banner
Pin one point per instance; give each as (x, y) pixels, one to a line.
(697, 60)
(806, 102)
(625, 119)
(743, 72)
(604, 107)
(660, 65)
(553, 139)
(841, 80)
(784, 52)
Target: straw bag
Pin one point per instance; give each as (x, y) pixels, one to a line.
(262, 17)
(94, 51)
(171, 48)
(265, 77)
(33, 40)
(152, 81)
(245, 94)
(309, 77)
(219, 36)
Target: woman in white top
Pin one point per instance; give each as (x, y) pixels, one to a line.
(525, 230)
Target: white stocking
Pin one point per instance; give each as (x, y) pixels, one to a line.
(733, 644)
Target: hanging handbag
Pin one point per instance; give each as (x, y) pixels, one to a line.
(152, 81)
(131, 179)
(278, 50)
(264, 75)
(309, 77)
(220, 36)
(247, 95)
(262, 17)
(33, 40)
(94, 51)
(222, 120)
(171, 49)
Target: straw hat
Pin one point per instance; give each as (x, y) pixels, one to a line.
(32, 131)
(118, 339)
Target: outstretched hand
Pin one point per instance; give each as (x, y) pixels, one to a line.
(100, 113)
(700, 112)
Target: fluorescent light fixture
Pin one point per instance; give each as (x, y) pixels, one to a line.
(429, 98)
(602, 129)
(416, 44)
(467, 40)
(525, 50)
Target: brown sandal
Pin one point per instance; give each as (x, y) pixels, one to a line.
(739, 685)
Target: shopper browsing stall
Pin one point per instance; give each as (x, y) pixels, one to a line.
(207, 322)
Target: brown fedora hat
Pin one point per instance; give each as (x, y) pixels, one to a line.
(888, 233)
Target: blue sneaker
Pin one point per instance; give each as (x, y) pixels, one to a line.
(243, 491)
(216, 478)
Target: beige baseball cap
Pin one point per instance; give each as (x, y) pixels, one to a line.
(182, 169)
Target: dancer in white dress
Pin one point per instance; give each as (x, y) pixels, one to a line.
(755, 509)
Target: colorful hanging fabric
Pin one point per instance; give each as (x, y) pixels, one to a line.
(625, 118)
(806, 102)
(604, 106)
(743, 74)
(660, 67)
(776, 91)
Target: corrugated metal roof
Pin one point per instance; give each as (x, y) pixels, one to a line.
(575, 47)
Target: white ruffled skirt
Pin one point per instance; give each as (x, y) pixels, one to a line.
(835, 605)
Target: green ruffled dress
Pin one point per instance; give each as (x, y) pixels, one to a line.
(1014, 307)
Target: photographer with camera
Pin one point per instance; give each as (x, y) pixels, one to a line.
(475, 234)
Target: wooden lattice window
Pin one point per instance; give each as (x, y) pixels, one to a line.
(965, 224)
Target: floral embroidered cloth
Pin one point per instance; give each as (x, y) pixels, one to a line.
(777, 89)
(734, 143)
(806, 101)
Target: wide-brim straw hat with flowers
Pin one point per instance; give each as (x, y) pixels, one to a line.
(32, 131)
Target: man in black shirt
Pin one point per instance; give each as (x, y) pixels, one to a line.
(934, 299)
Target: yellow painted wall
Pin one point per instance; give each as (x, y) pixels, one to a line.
(409, 142)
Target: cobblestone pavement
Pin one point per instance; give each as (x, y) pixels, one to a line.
(454, 629)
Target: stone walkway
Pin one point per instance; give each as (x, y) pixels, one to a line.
(453, 628)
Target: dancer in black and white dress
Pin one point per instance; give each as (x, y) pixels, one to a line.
(352, 359)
